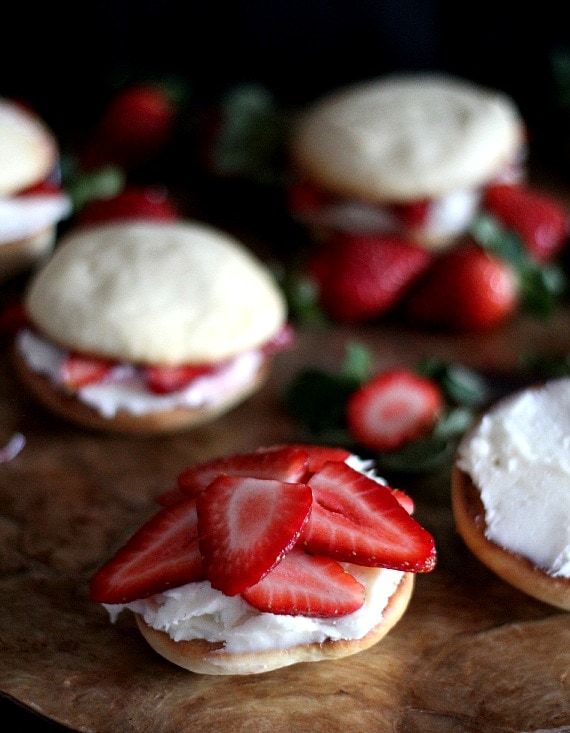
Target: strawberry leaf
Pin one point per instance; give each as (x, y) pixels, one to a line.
(417, 457)
(302, 294)
(541, 285)
(317, 399)
(459, 384)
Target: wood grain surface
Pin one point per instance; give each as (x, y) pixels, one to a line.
(471, 654)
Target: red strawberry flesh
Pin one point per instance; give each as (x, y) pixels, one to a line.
(309, 586)
(393, 408)
(78, 370)
(356, 519)
(246, 526)
(162, 554)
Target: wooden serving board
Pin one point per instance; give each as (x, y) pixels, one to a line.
(471, 654)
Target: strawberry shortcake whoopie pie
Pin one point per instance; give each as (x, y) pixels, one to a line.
(407, 155)
(511, 491)
(149, 326)
(31, 199)
(260, 560)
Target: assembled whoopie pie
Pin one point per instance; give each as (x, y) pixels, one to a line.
(147, 326)
(31, 201)
(404, 154)
(264, 559)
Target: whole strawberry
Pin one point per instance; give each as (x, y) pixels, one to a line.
(537, 218)
(134, 128)
(361, 277)
(466, 289)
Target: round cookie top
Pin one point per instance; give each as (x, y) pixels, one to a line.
(406, 137)
(157, 293)
(28, 150)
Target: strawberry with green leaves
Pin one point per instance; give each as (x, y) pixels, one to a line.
(435, 402)
(257, 537)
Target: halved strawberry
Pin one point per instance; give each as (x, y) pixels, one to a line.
(356, 519)
(308, 586)
(246, 526)
(538, 218)
(165, 379)
(162, 554)
(362, 277)
(394, 407)
(78, 370)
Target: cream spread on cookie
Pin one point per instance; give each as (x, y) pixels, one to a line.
(124, 388)
(519, 458)
(23, 216)
(197, 611)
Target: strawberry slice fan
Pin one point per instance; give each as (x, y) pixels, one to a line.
(276, 526)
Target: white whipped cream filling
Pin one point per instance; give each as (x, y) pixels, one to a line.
(124, 388)
(519, 457)
(23, 216)
(198, 611)
(447, 216)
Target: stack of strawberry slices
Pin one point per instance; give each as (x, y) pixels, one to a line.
(264, 559)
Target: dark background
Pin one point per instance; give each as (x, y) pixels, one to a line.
(67, 58)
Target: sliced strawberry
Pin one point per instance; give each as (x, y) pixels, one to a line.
(290, 463)
(307, 586)
(361, 277)
(162, 554)
(132, 202)
(405, 500)
(246, 526)
(13, 317)
(539, 219)
(78, 370)
(165, 379)
(317, 455)
(394, 407)
(356, 519)
(44, 187)
(466, 289)
(413, 214)
(282, 340)
(287, 463)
